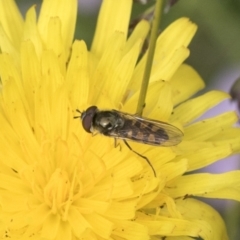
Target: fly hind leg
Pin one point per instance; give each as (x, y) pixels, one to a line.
(147, 160)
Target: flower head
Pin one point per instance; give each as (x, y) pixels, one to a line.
(58, 181)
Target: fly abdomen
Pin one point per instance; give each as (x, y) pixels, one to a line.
(146, 133)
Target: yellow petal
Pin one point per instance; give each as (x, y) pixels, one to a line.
(158, 92)
(7, 47)
(16, 220)
(199, 220)
(117, 191)
(145, 201)
(8, 69)
(75, 217)
(110, 20)
(204, 184)
(101, 79)
(171, 51)
(14, 107)
(30, 72)
(168, 226)
(173, 170)
(55, 42)
(177, 34)
(205, 129)
(31, 32)
(38, 215)
(160, 156)
(125, 210)
(12, 22)
(77, 78)
(15, 162)
(201, 155)
(66, 11)
(93, 205)
(230, 136)
(123, 74)
(154, 102)
(170, 66)
(197, 106)
(185, 83)
(213, 227)
(100, 225)
(10, 204)
(130, 230)
(64, 231)
(139, 33)
(51, 226)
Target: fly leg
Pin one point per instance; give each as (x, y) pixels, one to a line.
(149, 163)
(117, 144)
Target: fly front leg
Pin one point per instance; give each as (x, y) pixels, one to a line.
(116, 144)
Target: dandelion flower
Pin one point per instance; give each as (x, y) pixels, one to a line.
(59, 182)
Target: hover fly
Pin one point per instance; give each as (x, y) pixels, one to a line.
(120, 125)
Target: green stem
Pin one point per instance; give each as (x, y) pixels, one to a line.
(151, 50)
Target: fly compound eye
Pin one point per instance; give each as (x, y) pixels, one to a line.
(87, 118)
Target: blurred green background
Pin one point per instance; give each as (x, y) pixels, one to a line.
(215, 53)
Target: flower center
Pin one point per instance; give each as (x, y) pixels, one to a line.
(57, 191)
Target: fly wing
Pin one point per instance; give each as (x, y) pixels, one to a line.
(148, 131)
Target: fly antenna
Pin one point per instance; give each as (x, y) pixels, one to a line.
(77, 110)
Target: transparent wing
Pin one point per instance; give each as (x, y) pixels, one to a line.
(147, 131)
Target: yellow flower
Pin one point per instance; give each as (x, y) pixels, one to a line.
(59, 182)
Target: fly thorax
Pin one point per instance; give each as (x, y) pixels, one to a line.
(108, 121)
